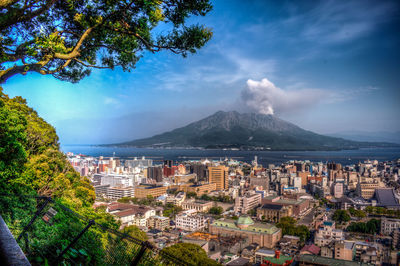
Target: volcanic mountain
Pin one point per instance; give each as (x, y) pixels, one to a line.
(247, 131)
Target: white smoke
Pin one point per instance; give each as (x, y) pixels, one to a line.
(265, 98)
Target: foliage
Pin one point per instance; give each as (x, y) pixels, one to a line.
(191, 253)
(381, 211)
(371, 227)
(148, 201)
(190, 195)
(220, 198)
(134, 231)
(357, 213)
(31, 164)
(170, 210)
(288, 226)
(67, 39)
(252, 212)
(216, 210)
(341, 216)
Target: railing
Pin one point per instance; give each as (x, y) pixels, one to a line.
(50, 233)
(10, 252)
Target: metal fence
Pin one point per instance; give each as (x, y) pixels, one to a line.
(51, 234)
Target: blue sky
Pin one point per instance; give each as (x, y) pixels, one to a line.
(327, 66)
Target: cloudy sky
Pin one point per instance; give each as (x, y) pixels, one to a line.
(327, 66)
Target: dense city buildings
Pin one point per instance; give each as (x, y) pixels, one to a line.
(236, 211)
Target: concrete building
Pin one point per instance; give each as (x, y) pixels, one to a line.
(202, 189)
(273, 213)
(299, 206)
(389, 225)
(366, 188)
(265, 235)
(198, 205)
(327, 234)
(247, 203)
(130, 214)
(142, 191)
(337, 190)
(219, 176)
(120, 192)
(158, 222)
(190, 221)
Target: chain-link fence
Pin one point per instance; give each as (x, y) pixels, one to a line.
(51, 234)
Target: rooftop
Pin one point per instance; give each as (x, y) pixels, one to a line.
(272, 206)
(255, 228)
(386, 197)
(328, 261)
(278, 261)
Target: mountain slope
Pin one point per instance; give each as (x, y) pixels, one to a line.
(246, 131)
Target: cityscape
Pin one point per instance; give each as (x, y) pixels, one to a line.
(199, 133)
(311, 213)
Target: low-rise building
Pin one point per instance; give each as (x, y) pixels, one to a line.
(130, 214)
(273, 213)
(202, 189)
(389, 225)
(120, 192)
(177, 199)
(190, 221)
(299, 206)
(198, 205)
(142, 191)
(158, 222)
(271, 257)
(265, 235)
(247, 203)
(327, 233)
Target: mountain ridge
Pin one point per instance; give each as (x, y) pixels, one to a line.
(247, 131)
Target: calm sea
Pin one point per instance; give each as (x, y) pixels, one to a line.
(345, 157)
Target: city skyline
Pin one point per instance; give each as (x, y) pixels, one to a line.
(323, 65)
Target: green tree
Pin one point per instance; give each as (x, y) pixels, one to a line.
(135, 232)
(191, 195)
(68, 38)
(289, 227)
(341, 216)
(216, 210)
(191, 253)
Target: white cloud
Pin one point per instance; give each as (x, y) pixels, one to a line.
(111, 101)
(266, 98)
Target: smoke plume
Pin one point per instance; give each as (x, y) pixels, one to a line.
(266, 98)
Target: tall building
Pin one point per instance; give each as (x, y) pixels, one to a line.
(155, 173)
(200, 170)
(219, 176)
(168, 163)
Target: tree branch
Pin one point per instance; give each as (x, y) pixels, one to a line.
(86, 65)
(19, 14)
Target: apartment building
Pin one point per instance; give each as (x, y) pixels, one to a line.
(327, 233)
(158, 222)
(247, 203)
(190, 221)
(389, 225)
